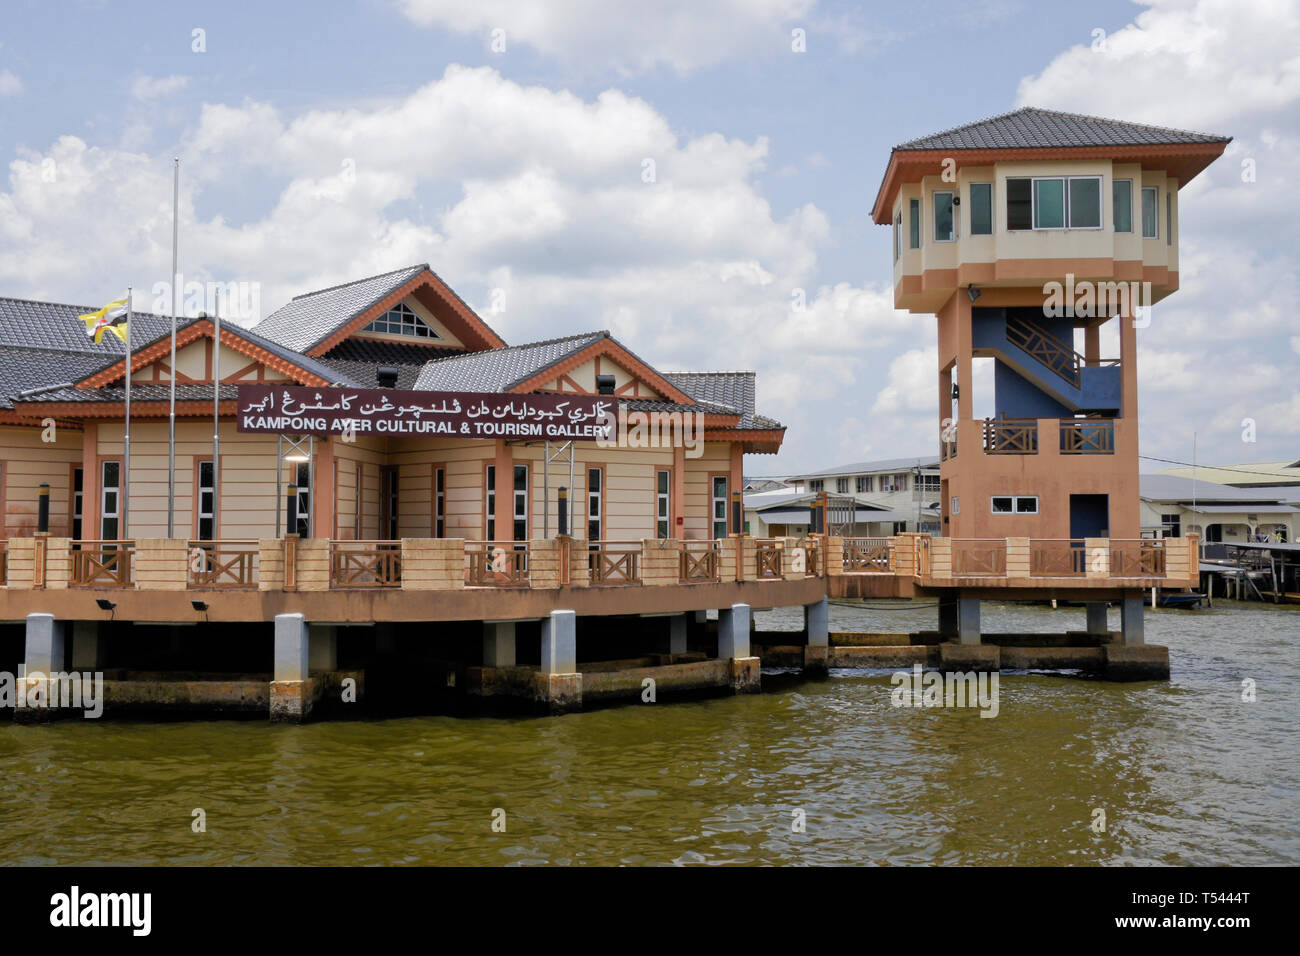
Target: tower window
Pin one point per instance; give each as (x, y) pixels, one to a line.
(402, 320)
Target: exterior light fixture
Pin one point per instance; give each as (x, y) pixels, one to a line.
(956, 393)
(972, 292)
(201, 606)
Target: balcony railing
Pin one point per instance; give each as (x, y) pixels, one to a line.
(223, 564)
(365, 564)
(1139, 558)
(1058, 356)
(1090, 436)
(1010, 436)
(979, 556)
(767, 558)
(496, 564)
(614, 562)
(105, 564)
(700, 561)
(866, 554)
(1053, 558)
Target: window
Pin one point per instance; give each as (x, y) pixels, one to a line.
(841, 486)
(360, 510)
(1122, 210)
(914, 226)
(1017, 504)
(1169, 218)
(521, 503)
(302, 479)
(402, 320)
(930, 483)
(110, 496)
(594, 509)
(207, 497)
(817, 484)
(490, 503)
(898, 236)
(78, 478)
(896, 482)
(1049, 203)
(1150, 207)
(900, 527)
(1020, 204)
(863, 484)
(943, 218)
(663, 512)
(981, 209)
(719, 506)
(1171, 526)
(1085, 202)
(440, 502)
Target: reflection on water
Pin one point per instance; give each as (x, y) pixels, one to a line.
(1186, 772)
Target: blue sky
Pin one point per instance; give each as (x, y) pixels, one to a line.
(323, 146)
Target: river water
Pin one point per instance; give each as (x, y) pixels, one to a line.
(1186, 772)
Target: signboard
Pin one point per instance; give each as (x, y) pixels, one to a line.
(294, 409)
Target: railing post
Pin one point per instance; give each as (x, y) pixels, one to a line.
(564, 511)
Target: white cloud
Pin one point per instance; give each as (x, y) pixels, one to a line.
(153, 87)
(10, 84)
(625, 36)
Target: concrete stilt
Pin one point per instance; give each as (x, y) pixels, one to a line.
(968, 620)
(677, 626)
(45, 653)
(816, 622)
(290, 685)
(947, 618)
(561, 683)
(498, 643)
(733, 645)
(87, 646)
(1097, 618)
(1131, 621)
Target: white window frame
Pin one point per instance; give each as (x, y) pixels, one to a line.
(201, 511)
(1033, 204)
(596, 499)
(490, 502)
(1016, 502)
(915, 208)
(714, 520)
(863, 485)
(663, 503)
(898, 236)
(104, 488)
(402, 320)
(841, 486)
(952, 195)
(1101, 203)
(520, 499)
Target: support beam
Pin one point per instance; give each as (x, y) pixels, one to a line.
(44, 653)
(677, 634)
(733, 632)
(1097, 618)
(291, 698)
(968, 620)
(817, 630)
(1131, 621)
(560, 643)
(498, 643)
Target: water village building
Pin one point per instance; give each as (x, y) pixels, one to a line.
(907, 486)
(1218, 514)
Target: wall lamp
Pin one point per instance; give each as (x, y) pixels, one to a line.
(956, 392)
(201, 606)
(106, 605)
(972, 292)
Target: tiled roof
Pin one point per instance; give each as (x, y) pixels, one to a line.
(23, 368)
(360, 359)
(1030, 128)
(734, 390)
(185, 392)
(309, 319)
(53, 325)
(497, 370)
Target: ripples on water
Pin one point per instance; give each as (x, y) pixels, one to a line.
(1186, 772)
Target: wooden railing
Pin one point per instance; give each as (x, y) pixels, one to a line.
(222, 564)
(1010, 436)
(700, 561)
(102, 564)
(1088, 436)
(813, 549)
(1053, 558)
(767, 558)
(614, 562)
(1139, 558)
(866, 554)
(1056, 355)
(979, 556)
(496, 564)
(365, 564)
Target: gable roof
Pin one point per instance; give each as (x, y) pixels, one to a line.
(499, 370)
(1030, 127)
(316, 321)
(734, 390)
(1167, 487)
(1260, 474)
(26, 323)
(22, 369)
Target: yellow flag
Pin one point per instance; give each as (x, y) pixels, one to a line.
(111, 317)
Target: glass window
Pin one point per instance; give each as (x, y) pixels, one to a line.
(402, 320)
(816, 484)
(78, 476)
(1049, 204)
(1002, 506)
(914, 213)
(981, 209)
(302, 479)
(1019, 204)
(719, 506)
(521, 503)
(1169, 218)
(206, 497)
(841, 486)
(490, 503)
(1085, 202)
(440, 502)
(109, 499)
(943, 219)
(663, 513)
(1027, 505)
(1123, 206)
(863, 484)
(1150, 225)
(593, 504)
(898, 236)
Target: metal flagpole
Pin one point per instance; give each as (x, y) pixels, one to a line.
(216, 418)
(126, 442)
(171, 414)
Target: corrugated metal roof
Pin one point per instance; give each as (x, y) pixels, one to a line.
(872, 467)
(1245, 508)
(1175, 488)
(1034, 128)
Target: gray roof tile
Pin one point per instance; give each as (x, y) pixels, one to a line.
(53, 325)
(497, 370)
(1030, 127)
(24, 368)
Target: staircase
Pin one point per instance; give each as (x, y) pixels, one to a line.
(1048, 363)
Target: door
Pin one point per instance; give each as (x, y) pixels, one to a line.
(388, 520)
(1089, 516)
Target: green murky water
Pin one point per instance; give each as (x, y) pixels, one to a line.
(1186, 772)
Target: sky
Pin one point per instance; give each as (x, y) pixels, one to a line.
(683, 173)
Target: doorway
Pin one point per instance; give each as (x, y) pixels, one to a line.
(388, 503)
(1089, 516)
